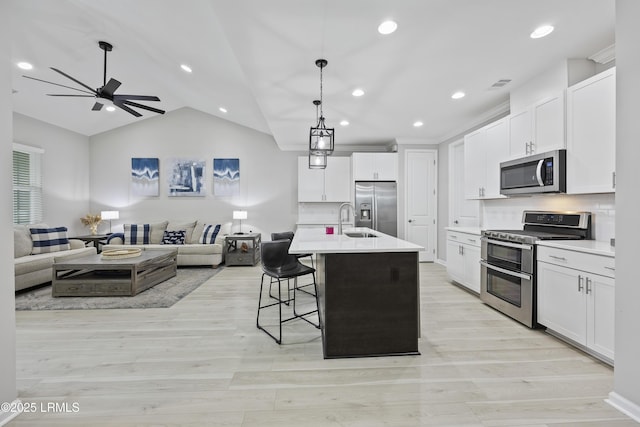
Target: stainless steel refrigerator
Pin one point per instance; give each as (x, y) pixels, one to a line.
(376, 206)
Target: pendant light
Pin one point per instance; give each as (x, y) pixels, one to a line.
(317, 160)
(321, 137)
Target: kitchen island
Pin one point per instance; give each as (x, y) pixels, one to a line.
(368, 291)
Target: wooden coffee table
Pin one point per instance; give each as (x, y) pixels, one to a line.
(92, 276)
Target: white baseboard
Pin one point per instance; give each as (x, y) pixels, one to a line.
(623, 405)
(7, 416)
(441, 262)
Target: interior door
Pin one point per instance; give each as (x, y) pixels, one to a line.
(420, 201)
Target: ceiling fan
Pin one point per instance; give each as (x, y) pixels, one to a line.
(106, 91)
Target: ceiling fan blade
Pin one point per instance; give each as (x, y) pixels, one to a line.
(96, 107)
(136, 97)
(57, 84)
(144, 107)
(127, 109)
(71, 78)
(81, 96)
(110, 87)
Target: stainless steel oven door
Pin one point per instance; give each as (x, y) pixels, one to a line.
(511, 256)
(509, 292)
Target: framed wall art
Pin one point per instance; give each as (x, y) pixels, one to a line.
(186, 177)
(145, 176)
(226, 177)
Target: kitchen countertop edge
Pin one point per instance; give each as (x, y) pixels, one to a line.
(317, 241)
(587, 246)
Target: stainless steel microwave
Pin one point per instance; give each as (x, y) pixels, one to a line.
(540, 173)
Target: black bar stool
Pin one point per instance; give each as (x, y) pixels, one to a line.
(278, 264)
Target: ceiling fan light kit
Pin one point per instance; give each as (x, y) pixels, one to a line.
(106, 92)
(321, 138)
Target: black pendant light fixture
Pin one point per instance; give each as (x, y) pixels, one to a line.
(321, 137)
(317, 160)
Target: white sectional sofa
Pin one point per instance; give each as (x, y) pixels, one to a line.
(36, 269)
(191, 252)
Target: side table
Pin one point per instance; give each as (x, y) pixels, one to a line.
(96, 239)
(242, 249)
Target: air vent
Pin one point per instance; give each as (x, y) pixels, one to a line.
(500, 83)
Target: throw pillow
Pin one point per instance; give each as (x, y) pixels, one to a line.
(209, 233)
(47, 240)
(137, 234)
(174, 237)
(157, 231)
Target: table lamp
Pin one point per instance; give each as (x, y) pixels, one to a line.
(240, 215)
(110, 215)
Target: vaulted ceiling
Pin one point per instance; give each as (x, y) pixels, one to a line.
(256, 59)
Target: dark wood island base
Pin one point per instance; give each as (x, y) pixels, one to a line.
(369, 303)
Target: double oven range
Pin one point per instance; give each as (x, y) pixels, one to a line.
(508, 264)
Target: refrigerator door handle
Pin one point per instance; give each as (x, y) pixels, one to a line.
(374, 213)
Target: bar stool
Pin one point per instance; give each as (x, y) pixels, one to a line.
(278, 265)
(288, 235)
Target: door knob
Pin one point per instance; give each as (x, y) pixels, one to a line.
(410, 220)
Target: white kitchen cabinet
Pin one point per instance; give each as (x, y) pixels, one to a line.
(463, 259)
(324, 185)
(539, 128)
(591, 134)
(574, 301)
(484, 149)
(375, 166)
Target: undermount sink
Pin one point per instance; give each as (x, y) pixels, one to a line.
(359, 234)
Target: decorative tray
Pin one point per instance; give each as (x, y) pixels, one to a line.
(121, 253)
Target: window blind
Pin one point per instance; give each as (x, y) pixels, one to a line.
(27, 186)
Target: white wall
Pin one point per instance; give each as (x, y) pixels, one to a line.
(7, 300)
(627, 344)
(268, 176)
(65, 170)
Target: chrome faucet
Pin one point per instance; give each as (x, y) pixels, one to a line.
(347, 205)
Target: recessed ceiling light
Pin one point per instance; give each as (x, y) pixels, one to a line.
(387, 27)
(224, 110)
(417, 124)
(458, 95)
(110, 108)
(186, 68)
(25, 66)
(357, 92)
(541, 31)
(344, 123)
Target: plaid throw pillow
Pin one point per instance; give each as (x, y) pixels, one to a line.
(137, 234)
(47, 240)
(175, 237)
(209, 234)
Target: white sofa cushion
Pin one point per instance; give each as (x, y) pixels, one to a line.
(188, 228)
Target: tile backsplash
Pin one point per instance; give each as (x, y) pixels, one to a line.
(507, 213)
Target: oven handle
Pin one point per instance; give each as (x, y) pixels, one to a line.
(509, 245)
(505, 271)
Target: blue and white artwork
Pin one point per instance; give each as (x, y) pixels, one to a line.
(145, 174)
(186, 177)
(226, 177)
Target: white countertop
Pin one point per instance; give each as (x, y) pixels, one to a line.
(315, 240)
(470, 230)
(587, 246)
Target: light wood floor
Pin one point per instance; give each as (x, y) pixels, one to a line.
(204, 363)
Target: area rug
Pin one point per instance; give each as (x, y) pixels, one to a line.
(162, 295)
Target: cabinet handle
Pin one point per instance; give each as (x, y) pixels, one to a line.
(579, 283)
(472, 240)
(527, 148)
(455, 221)
(588, 286)
(559, 258)
(610, 268)
(613, 177)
